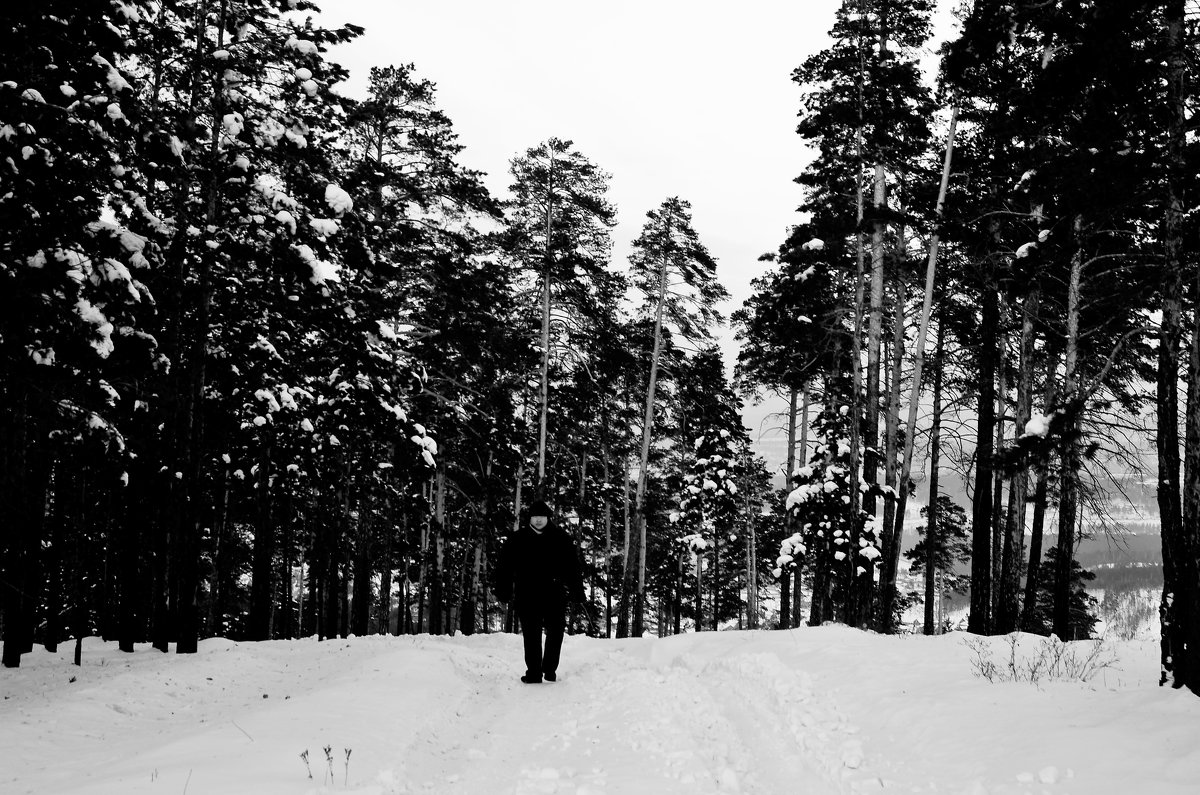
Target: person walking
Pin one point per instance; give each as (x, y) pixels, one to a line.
(538, 572)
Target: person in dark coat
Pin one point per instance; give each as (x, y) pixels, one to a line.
(539, 571)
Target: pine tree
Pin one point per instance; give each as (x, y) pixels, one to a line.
(711, 435)
(73, 308)
(791, 332)
(868, 111)
(1051, 99)
(1180, 609)
(675, 272)
(948, 548)
(841, 543)
(559, 229)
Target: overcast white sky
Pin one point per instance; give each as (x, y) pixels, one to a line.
(672, 97)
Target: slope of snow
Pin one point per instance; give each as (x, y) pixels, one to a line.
(826, 710)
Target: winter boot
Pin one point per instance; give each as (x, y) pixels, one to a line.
(531, 679)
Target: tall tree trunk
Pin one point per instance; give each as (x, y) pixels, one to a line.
(26, 477)
(1184, 613)
(360, 605)
(874, 340)
(330, 583)
(264, 549)
(1068, 497)
(219, 591)
(437, 600)
(647, 437)
(998, 528)
(286, 626)
(608, 551)
(628, 556)
(467, 618)
(189, 524)
(423, 573)
(797, 577)
(347, 577)
(820, 598)
(717, 579)
(751, 555)
(875, 318)
(910, 427)
(130, 577)
(1014, 532)
(1179, 612)
(59, 510)
(160, 546)
(893, 525)
(1037, 529)
(935, 455)
(785, 578)
(546, 279)
(980, 620)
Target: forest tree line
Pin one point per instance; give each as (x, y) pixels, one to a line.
(276, 363)
(1016, 235)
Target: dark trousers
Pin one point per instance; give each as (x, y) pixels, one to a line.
(538, 613)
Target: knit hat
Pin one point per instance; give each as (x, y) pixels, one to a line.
(539, 508)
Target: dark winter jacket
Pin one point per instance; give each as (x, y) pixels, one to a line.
(539, 566)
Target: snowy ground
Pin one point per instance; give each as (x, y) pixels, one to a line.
(813, 711)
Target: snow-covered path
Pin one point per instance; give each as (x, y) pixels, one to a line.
(817, 711)
(623, 721)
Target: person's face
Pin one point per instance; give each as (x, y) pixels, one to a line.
(539, 522)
